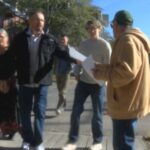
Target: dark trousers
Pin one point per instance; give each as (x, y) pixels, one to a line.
(124, 134)
(7, 105)
(33, 99)
(97, 93)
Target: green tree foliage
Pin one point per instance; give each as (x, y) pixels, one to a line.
(68, 16)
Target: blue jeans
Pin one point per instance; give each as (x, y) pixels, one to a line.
(97, 93)
(33, 99)
(124, 134)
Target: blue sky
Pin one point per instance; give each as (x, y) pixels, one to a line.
(140, 10)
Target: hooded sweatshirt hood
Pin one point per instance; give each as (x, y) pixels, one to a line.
(141, 36)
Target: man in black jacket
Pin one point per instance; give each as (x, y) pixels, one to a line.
(34, 53)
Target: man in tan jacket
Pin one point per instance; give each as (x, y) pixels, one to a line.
(128, 80)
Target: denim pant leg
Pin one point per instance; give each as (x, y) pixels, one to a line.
(97, 95)
(79, 99)
(40, 104)
(25, 104)
(124, 134)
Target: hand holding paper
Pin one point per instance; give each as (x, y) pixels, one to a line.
(89, 64)
(96, 70)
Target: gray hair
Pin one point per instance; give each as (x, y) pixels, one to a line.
(3, 32)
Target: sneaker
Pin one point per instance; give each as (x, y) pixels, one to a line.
(39, 147)
(97, 146)
(58, 111)
(70, 146)
(25, 146)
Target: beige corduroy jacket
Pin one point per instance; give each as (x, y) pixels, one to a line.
(128, 76)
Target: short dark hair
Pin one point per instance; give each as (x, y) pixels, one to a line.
(33, 12)
(63, 34)
(93, 22)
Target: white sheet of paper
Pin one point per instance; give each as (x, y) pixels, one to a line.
(88, 65)
(76, 55)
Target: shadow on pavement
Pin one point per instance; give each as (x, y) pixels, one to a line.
(50, 116)
(79, 148)
(9, 148)
(6, 148)
(16, 148)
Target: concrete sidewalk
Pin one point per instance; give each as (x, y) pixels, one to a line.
(57, 127)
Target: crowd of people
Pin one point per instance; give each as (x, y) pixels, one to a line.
(28, 60)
